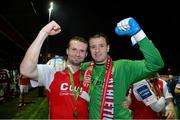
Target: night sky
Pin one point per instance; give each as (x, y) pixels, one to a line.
(160, 22)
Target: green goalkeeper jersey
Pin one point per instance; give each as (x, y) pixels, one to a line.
(125, 73)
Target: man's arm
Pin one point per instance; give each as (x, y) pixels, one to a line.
(28, 66)
(152, 58)
(158, 105)
(148, 97)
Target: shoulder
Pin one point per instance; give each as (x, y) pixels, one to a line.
(124, 63)
(85, 65)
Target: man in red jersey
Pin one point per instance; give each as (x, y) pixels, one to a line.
(150, 98)
(67, 91)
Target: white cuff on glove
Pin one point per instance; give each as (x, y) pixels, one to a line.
(138, 37)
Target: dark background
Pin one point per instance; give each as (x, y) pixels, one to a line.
(21, 20)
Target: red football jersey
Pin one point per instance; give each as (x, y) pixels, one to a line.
(61, 97)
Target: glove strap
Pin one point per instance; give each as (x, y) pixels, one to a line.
(138, 37)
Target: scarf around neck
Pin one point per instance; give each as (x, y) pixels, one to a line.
(106, 110)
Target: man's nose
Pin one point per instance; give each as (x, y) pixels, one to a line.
(97, 49)
(77, 53)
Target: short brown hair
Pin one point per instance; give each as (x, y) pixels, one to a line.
(77, 38)
(100, 35)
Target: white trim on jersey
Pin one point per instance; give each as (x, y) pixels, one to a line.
(45, 76)
(85, 96)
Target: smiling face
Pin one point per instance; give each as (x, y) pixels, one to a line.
(77, 51)
(99, 49)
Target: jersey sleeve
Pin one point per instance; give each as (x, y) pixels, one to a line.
(45, 76)
(143, 92)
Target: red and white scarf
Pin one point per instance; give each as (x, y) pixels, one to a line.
(107, 104)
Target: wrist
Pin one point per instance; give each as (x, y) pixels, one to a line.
(138, 36)
(43, 34)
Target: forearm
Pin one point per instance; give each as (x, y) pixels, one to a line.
(28, 66)
(153, 59)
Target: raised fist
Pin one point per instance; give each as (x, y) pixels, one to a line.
(127, 26)
(52, 28)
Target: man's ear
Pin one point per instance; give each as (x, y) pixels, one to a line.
(86, 54)
(67, 51)
(108, 48)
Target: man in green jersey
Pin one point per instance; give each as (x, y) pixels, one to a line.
(110, 80)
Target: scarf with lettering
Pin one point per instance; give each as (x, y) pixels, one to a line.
(106, 110)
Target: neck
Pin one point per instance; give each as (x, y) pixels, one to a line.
(102, 62)
(73, 67)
